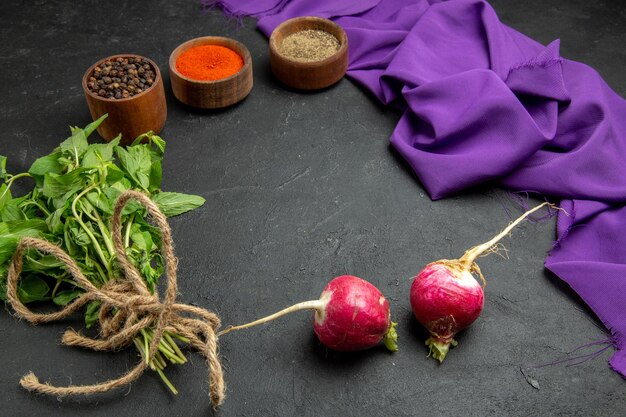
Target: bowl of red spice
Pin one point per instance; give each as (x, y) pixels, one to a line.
(130, 90)
(211, 72)
(308, 53)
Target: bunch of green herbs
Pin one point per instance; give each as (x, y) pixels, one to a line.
(71, 204)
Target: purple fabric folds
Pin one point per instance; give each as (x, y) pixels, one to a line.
(483, 103)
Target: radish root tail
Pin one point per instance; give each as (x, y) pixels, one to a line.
(469, 258)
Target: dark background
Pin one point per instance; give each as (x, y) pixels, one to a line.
(301, 188)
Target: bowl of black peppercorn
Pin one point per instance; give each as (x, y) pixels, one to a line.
(129, 88)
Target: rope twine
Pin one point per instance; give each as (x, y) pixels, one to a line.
(127, 307)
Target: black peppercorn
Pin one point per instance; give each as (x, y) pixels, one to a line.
(121, 78)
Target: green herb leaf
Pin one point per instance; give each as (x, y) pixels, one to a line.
(31, 227)
(44, 264)
(173, 204)
(12, 232)
(63, 298)
(33, 288)
(91, 315)
(136, 162)
(3, 167)
(48, 164)
(142, 240)
(7, 248)
(91, 127)
(74, 146)
(11, 211)
(100, 201)
(69, 244)
(99, 154)
(79, 236)
(156, 175)
(114, 174)
(5, 195)
(157, 144)
(55, 185)
(55, 221)
(3, 283)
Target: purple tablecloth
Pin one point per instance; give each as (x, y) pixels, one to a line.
(482, 103)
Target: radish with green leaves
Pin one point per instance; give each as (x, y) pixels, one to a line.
(350, 315)
(445, 296)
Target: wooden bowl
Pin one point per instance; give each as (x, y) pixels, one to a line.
(130, 116)
(308, 75)
(212, 94)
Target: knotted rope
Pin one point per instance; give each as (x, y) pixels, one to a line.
(127, 307)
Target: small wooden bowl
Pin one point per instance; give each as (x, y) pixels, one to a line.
(212, 94)
(308, 75)
(130, 116)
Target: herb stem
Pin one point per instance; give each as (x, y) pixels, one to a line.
(157, 364)
(101, 272)
(165, 348)
(106, 236)
(86, 229)
(179, 337)
(10, 182)
(35, 203)
(174, 346)
(167, 382)
(127, 231)
(56, 287)
(145, 344)
(160, 360)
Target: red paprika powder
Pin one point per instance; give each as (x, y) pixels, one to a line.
(209, 62)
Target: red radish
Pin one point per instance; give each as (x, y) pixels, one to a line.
(351, 314)
(446, 298)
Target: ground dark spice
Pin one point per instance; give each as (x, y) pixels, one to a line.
(122, 77)
(309, 45)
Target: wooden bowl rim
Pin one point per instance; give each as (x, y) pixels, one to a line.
(343, 40)
(211, 40)
(86, 89)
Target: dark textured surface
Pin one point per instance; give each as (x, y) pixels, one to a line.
(301, 188)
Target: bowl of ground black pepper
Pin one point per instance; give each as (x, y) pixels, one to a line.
(308, 53)
(130, 90)
(211, 72)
